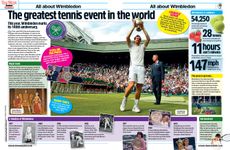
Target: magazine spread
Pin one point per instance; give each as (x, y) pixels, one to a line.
(131, 75)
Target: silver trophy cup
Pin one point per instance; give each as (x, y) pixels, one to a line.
(138, 23)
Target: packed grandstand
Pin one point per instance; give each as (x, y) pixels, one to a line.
(114, 78)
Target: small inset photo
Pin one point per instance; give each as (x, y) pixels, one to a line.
(206, 105)
(216, 139)
(28, 101)
(134, 142)
(159, 118)
(58, 73)
(106, 122)
(187, 143)
(52, 72)
(76, 139)
(28, 133)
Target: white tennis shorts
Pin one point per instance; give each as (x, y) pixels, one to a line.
(137, 74)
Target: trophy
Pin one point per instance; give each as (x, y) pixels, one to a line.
(138, 23)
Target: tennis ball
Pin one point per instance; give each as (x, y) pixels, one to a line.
(218, 26)
(220, 18)
(216, 18)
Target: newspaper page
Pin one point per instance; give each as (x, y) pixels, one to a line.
(131, 75)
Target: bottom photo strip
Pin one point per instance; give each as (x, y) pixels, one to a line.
(133, 133)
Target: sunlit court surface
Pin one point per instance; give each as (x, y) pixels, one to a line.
(94, 104)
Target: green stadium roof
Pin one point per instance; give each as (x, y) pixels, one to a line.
(77, 39)
(111, 47)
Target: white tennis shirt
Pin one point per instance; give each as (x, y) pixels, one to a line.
(137, 54)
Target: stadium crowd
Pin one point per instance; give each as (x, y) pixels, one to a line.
(98, 77)
(116, 76)
(176, 80)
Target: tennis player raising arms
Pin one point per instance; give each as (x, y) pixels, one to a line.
(136, 69)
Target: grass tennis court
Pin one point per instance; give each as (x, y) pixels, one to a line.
(94, 104)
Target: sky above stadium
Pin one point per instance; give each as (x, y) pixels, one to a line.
(118, 30)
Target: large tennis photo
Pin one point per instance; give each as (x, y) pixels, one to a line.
(122, 68)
